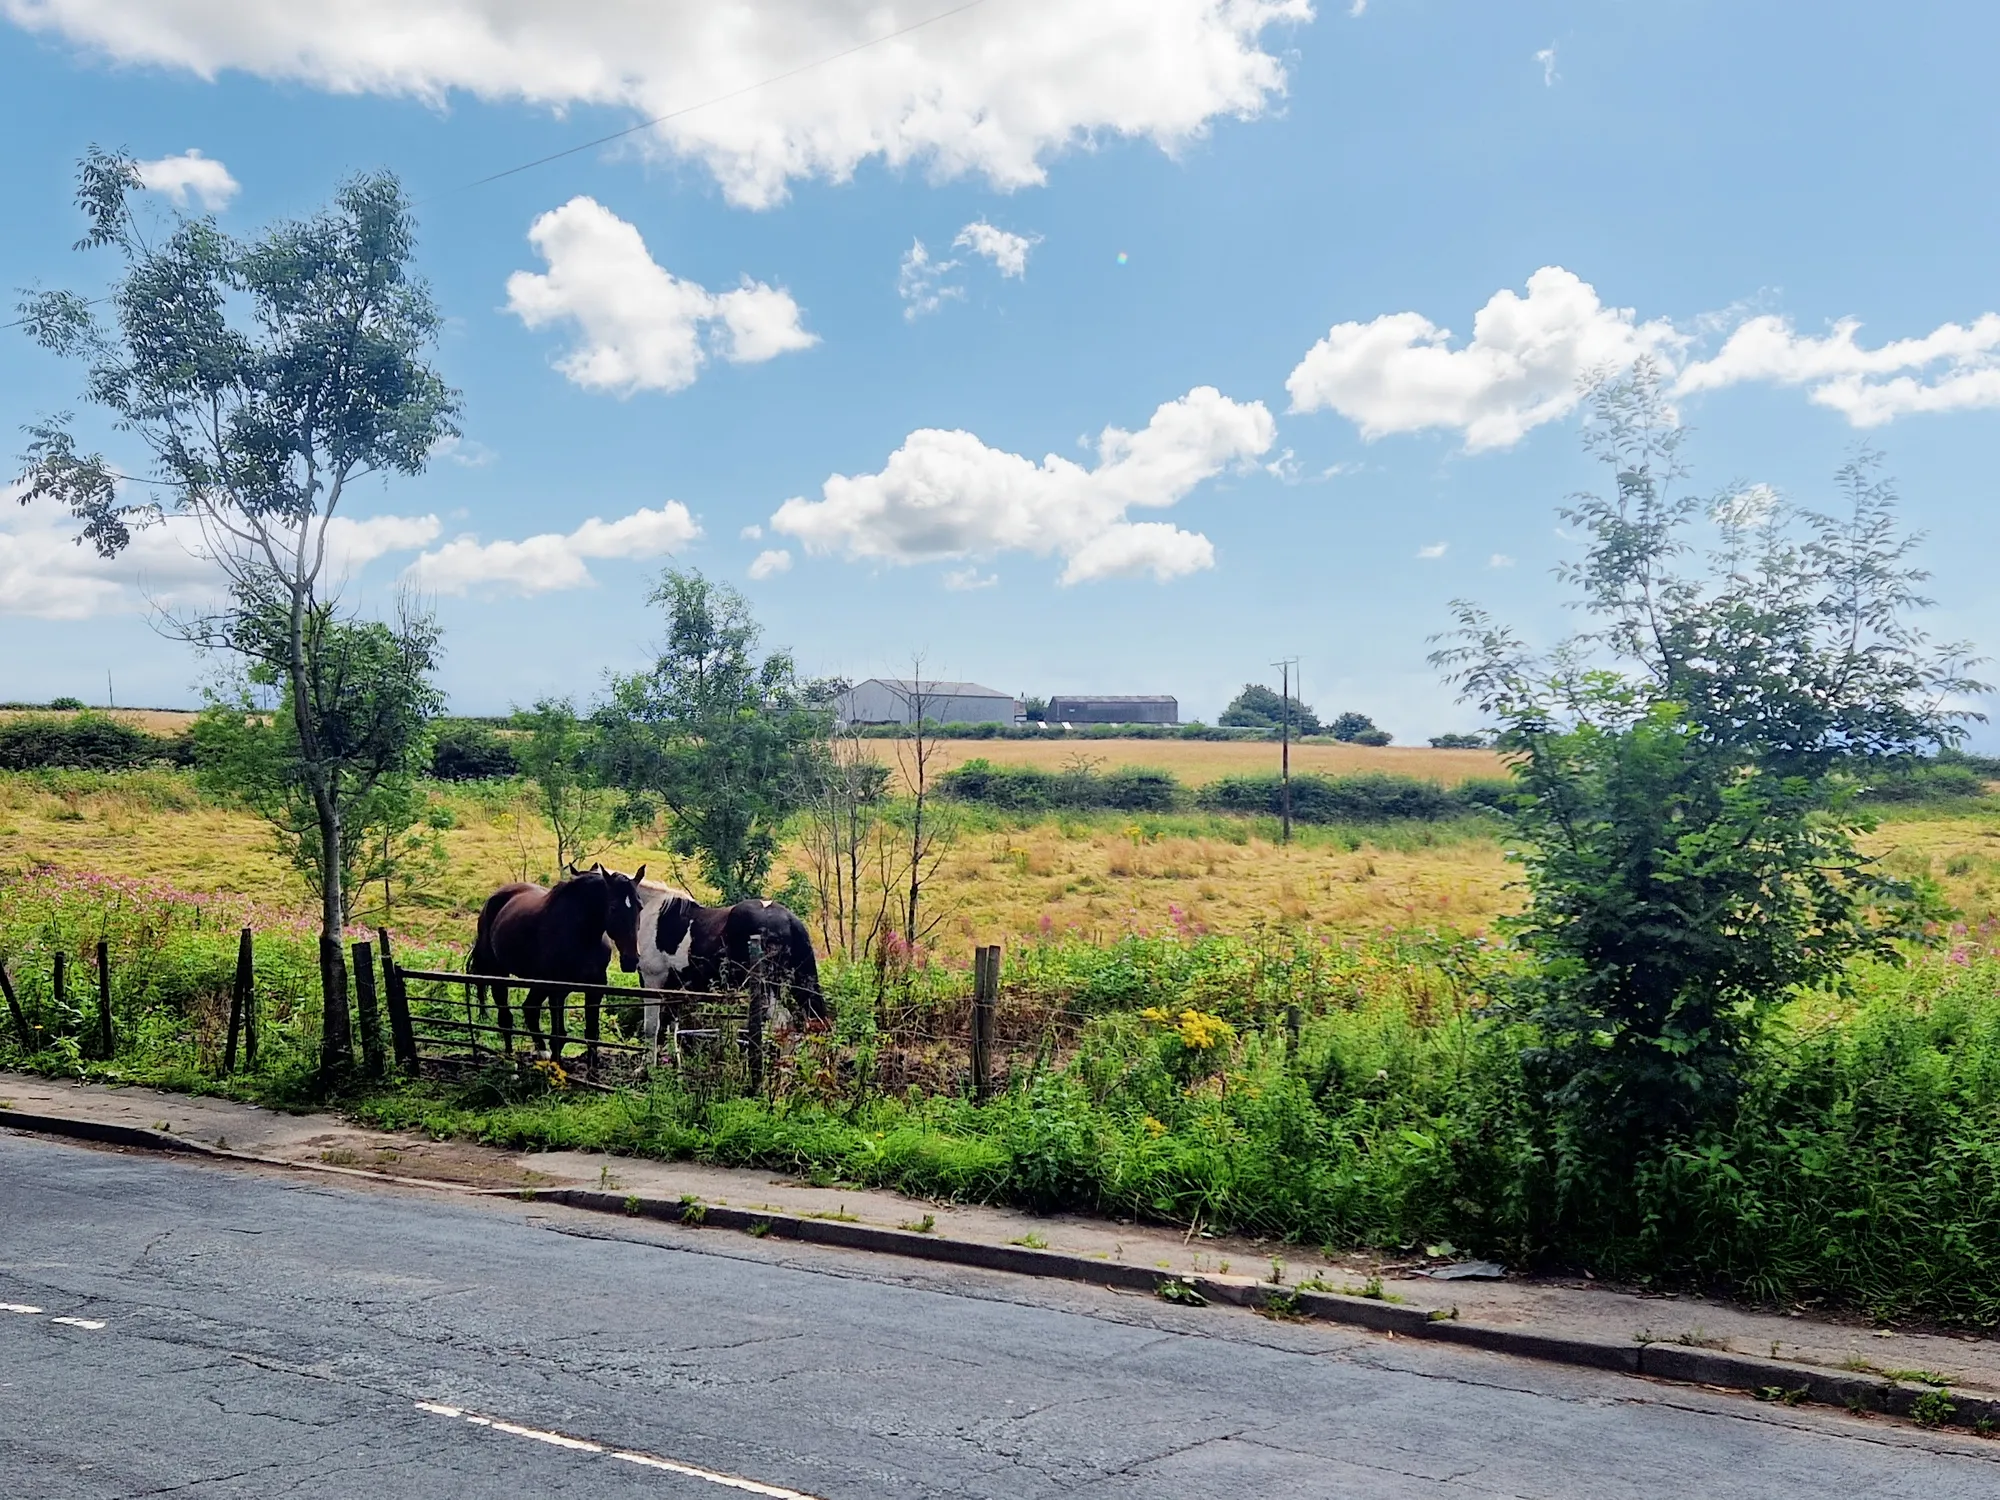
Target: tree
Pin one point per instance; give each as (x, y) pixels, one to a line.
(1259, 707)
(1457, 741)
(558, 753)
(261, 378)
(717, 735)
(373, 702)
(1687, 770)
(845, 798)
(930, 835)
(1357, 729)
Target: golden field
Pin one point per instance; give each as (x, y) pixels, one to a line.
(1199, 761)
(1098, 876)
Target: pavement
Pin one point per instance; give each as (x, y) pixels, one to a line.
(1574, 1321)
(212, 1328)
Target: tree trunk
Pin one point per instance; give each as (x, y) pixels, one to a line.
(336, 1049)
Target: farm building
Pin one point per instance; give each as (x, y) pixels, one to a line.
(1143, 709)
(895, 700)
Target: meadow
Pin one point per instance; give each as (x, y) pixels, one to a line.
(1199, 1025)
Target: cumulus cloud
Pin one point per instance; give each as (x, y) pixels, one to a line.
(770, 563)
(1432, 550)
(945, 495)
(553, 560)
(1955, 367)
(45, 575)
(190, 175)
(1007, 251)
(993, 92)
(1499, 560)
(1523, 366)
(640, 327)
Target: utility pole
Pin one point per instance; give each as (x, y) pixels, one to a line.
(1285, 733)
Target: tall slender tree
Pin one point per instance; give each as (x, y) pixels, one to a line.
(258, 380)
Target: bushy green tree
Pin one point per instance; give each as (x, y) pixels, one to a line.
(1259, 707)
(721, 737)
(558, 752)
(374, 700)
(1357, 729)
(1687, 769)
(253, 381)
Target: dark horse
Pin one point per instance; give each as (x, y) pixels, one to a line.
(684, 945)
(556, 938)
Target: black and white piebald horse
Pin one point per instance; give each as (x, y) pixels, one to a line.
(698, 949)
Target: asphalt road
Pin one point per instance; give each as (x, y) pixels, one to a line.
(240, 1333)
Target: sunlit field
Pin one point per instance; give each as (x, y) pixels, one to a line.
(1199, 761)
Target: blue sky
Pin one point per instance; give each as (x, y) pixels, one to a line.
(1253, 219)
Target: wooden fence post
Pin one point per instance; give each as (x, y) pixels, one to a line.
(985, 1000)
(246, 963)
(364, 1004)
(107, 1039)
(753, 1031)
(402, 1038)
(14, 1009)
(239, 1005)
(59, 984)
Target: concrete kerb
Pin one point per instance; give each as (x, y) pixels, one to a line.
(1768, 1379)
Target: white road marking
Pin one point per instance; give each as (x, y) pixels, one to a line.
(78, 1322)
(624, 1455)
(19, 1307)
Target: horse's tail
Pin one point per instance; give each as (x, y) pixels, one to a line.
(805, 971)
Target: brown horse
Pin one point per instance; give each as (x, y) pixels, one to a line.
(555, 938)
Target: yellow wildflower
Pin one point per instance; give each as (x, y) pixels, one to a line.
(1154, 1127)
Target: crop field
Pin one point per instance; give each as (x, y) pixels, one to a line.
(1198, 761)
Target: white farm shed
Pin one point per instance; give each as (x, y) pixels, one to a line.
(897, 700)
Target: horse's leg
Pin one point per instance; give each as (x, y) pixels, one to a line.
(649, 1028)
(533, 1007)
(506, 1014)
(558, 1025)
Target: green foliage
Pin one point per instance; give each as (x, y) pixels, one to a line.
(558, 752)
(1357, 729)
(725, 740)
(1937, 780)
(1458, 742)
(1335, 799)
(465, 751)
(1030, 789)
(1686, 800)
(1259, 707)
(67, 705)
(87, 742)
(371, 700)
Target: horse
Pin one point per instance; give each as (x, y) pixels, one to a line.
(555, 938)
(686, 946)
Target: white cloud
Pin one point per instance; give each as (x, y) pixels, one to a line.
(1850, 379)
(752, 532)
(965, 580)
(1547, 58)
(1358, 9)
(946, 495)
(1432, 550)
(1524, 365)
(920, 282)
(769, 564)
(1748, 508)
(1499, 560)
(190, 173)
(464, 452)
(641, 327)
(994, 91)
(1007, 251)
(45, 575)
(553, 560)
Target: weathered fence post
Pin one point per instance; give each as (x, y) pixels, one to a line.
(402, 1039)
(59, 983)
(239, 1005)
(336, 1042)
(1292, 1027)
(246, 960)
(364, 1004)
(107, 1039)
(985, 1001)
(753, 1031)
(14, 1009)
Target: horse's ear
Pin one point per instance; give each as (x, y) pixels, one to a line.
(597, 868)
(639, 875)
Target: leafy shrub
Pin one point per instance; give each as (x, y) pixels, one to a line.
(471, 752)
(1031, 789)
(1924, 781)
(1458, 742)
(88, 742)
(1257, 707)
(67, 705)
(1375, 737)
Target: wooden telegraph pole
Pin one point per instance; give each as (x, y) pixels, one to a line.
(1285, 734)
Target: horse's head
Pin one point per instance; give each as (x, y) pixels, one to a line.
(622, 899)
